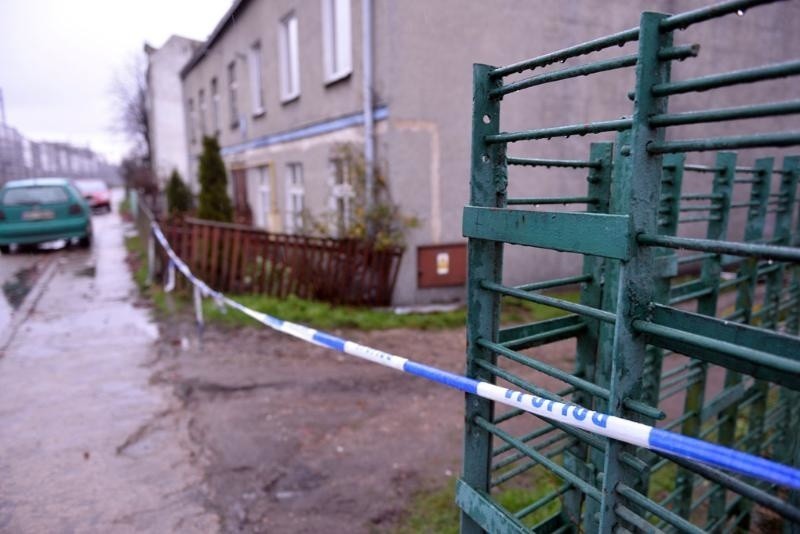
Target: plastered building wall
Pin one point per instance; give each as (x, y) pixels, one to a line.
(423, 56)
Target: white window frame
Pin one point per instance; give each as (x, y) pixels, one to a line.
(192, 121)
(201, 110)
(342, 195)
(295, 197)
(337, 39)
(259, 178)
(289, 57)
(214, 105)
(233, 94)
(256, 80)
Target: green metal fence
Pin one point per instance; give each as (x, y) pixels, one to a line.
(696, 335)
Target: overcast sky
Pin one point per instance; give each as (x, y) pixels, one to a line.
(58, 59)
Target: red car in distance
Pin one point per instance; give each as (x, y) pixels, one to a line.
(95, 192)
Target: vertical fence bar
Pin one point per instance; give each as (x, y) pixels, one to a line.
(640, 191)
(669, 204)
(575, 458)
(605, 345)
(754, 231)
(787, 399)
(758, 408)
(722, 188)
(781, 236)
(488, 183)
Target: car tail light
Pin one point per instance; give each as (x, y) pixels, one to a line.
(75, 209)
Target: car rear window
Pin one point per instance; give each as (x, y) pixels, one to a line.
(22, 196)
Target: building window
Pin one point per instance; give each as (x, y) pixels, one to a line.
(259, 179)
(256, 84)
(289, 58)
(336, 39)
(192, 121)
(201, 105)
(342, 195)
(295, 197)
(214, 107)
(232, 90)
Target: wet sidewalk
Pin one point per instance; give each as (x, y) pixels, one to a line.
(87, 444)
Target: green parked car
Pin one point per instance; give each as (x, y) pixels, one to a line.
(38, 210)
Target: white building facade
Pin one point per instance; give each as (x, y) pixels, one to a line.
(165, 108)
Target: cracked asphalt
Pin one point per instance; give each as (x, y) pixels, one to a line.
(87, 442)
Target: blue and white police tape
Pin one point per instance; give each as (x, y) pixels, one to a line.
(598, 423)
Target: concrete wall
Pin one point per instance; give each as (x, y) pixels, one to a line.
(429, 92)
(166, 112)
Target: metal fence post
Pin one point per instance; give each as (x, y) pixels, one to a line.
(487, 188)
(594, 267)
(669, 204)
(602, 374)
(636, 289)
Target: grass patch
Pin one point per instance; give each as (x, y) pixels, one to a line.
(137, 259)
(322, 314)
(124, 206)
(436, 510)
(327, 316)
(662, 482)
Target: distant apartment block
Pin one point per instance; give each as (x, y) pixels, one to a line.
(281, 83)
(165, 108)
(23, 158)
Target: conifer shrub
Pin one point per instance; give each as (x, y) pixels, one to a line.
(213, 201)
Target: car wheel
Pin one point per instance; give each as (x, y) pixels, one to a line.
(86, 241)
(5, 249)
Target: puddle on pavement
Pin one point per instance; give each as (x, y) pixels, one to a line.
(89, 270)
(18, 286)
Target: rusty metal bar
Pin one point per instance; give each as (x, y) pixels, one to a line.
(617, 39)
(560, 131)
(726, 143)
(767, 252)
(580, 309)
(684, 20)
(565, 74)
(726, 114)
(537, 162)
(726, 79)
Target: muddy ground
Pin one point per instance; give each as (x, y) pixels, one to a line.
(297, 438)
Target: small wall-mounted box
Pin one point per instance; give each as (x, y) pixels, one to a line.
(442, 265)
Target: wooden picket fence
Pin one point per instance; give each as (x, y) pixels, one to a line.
(235, 258)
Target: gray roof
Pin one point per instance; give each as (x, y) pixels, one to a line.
(224, 23)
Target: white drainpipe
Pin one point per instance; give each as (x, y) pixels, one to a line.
(369, 120)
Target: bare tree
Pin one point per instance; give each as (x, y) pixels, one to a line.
(129, 93)
(129, 90)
